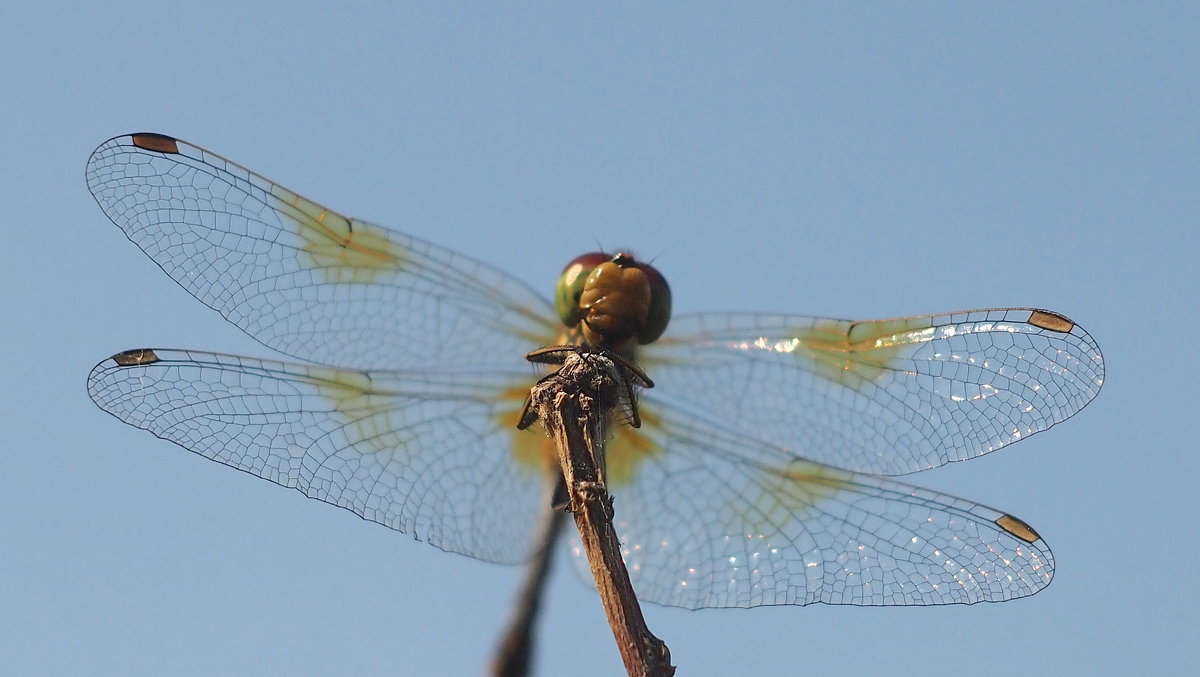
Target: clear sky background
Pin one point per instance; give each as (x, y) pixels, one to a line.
(860, 163)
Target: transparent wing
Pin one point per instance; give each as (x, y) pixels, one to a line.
(305, 280)
(885, 397)
(712, 519)
(427, 454)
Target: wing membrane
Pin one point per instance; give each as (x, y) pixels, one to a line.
(742, 489)
(303, 279)
(885, 397)
(719, 520)
(420, 453)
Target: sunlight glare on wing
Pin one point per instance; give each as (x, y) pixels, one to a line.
(884, 396)
(705, 525)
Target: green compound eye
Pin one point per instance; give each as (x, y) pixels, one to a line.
(660, 306)
(571, 283)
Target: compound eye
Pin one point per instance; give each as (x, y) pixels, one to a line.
(571, 283)
(660, 306)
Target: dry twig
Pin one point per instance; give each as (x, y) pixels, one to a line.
(576, 405)
(515, 653)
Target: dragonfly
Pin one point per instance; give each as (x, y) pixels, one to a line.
(762, 471)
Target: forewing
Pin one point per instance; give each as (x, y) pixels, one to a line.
(712, 519)
(303, 279)
(886, 396)
(423, 453)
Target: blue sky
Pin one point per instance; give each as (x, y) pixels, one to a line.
(858, 163)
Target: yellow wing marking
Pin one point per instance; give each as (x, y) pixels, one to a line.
(345, 253)
(789, 492)
(369, 415)
(531, 448)
(630, 446)
(853, 353)
(534, 450)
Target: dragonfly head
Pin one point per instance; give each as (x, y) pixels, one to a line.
(613, 300)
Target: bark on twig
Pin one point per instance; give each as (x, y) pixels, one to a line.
(575, 406)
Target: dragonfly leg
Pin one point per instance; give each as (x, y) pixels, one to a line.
(632, 377)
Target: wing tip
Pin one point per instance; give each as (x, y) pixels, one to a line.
(1051, 321)
(135, 357)
(160, 143)
(1018, 528)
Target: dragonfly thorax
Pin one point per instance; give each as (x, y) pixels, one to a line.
(613, 300)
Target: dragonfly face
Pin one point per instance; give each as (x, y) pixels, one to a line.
(757, 477)
(613, 300)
